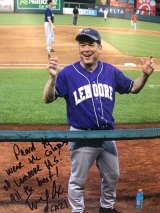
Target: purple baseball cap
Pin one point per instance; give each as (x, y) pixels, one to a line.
(89, 33)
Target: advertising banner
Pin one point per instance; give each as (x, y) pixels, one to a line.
(7, 6)
(117, 12)
(36, 4)
(146, 7)
(86, 12)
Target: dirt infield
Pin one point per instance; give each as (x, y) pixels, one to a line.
(24, 46)
(34, 176)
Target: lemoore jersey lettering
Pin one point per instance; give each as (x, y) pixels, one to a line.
(99, 90)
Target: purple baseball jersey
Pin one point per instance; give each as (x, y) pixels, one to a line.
(90, 96)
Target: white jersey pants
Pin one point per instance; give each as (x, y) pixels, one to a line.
(49, 35)
(133, 25)
(82, 159)
(105, 16)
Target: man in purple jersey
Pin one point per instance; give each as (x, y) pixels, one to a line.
(89, 88)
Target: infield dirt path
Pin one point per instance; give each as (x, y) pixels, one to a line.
(24, 46)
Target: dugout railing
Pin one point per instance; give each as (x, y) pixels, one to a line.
(64, 135)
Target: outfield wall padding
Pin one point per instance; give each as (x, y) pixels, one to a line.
(63, 136)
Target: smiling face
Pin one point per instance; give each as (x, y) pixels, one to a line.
(89, 52)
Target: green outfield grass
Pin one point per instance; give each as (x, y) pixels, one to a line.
(38, 19)
(139, 108)
(135, 44)
(21, 100)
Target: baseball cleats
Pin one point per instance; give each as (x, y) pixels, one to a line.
(105, 210)
(52, 50)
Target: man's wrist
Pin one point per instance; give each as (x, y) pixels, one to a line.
(145, 74)
(52, 76)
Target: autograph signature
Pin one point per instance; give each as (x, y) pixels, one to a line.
(56, 192)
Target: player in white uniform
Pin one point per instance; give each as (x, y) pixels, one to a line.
(49, 27)
(105, 14)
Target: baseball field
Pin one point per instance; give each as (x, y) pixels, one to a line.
(34, 176)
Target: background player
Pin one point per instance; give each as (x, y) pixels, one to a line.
(49, 27)
(75, 15)
(133, 22)
(89, 87)
(105, 12)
